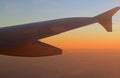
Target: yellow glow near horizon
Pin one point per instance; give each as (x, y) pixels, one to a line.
(90, 37)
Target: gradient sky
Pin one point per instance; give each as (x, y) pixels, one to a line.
(13, 12)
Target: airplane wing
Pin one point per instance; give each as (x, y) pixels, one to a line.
(21, 40)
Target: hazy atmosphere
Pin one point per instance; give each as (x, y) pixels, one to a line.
(77, 64)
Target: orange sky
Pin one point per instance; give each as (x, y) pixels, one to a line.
(90, 37)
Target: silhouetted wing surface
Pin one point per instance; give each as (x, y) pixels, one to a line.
(35, 49)
(18, 40)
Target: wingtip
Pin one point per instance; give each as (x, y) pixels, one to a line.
(118, 7)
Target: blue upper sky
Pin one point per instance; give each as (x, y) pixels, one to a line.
(14, 12)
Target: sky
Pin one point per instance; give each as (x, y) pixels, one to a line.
(72, 63)
(14, 12)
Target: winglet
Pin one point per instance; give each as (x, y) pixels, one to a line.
(105, 19)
